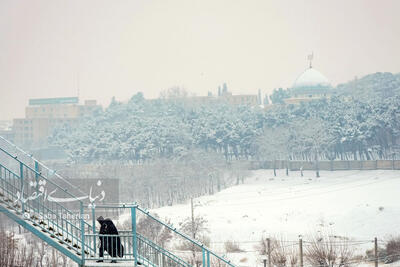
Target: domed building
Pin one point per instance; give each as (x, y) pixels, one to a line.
(310, 85)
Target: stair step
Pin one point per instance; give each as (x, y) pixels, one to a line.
(65, 237)
(107, 263)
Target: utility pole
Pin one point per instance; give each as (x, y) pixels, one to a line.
(376, 252)
(192, 209)
(77, 83)
(269, 252)
(193, 230)
(301, 252)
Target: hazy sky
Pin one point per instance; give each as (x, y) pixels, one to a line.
(118, 48)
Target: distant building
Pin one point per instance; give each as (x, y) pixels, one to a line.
(248, 100)
(223, 96)
(43, 115)
(310, 85)
(6, 130)
(5, 125)
(7, 134)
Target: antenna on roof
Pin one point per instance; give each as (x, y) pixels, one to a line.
(77, 83)
(310, 58)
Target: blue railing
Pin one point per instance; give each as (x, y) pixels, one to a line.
(51, 217)
(158, 255)
(25, 187)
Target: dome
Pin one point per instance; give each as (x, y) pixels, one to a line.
(311, 78)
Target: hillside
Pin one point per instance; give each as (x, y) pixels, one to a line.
(361, 122)
(355, 204)
(380, 84)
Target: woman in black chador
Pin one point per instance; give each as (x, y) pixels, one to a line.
(110, 244)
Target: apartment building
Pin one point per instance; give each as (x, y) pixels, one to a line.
(43, 115)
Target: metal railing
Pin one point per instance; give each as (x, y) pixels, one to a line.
(29, 187)
(149, 252)
(158, 255)
(25, 187)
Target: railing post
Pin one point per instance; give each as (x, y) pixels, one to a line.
(21, 175)
(208, 258)
(37, 184)
(134, 236)
(376, 252)
(82, 235)
(94, 229)
(204, 257)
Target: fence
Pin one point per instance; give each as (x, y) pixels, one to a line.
(333, 165)
(145, 237)
(325, 251)
(28, 196)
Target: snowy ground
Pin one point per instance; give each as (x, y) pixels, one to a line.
(356, 204)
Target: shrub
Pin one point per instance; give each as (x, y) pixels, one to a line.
(232, 246)
(392, 250)
(242, 260)
(371, 254)
(326, 251)
(387, 254)
(282, 254)
(12, 253)
(153, 230)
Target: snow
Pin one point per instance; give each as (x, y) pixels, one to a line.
(311, 77)
(360, 205)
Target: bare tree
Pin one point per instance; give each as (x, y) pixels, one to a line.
(42, 254)
(283, 254)
(154, 231)
(12, 253)
(197, 229)
(232, 246)
(312, 137)
(326, 251)
(273, 144)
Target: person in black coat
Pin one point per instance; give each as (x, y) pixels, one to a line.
(109, 243)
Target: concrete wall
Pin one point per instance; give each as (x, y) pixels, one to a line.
(334, 165)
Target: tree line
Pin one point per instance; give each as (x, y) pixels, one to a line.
(361, 120)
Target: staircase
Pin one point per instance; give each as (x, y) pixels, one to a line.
(27, 190)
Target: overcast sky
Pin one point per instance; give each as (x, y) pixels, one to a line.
(118, 48)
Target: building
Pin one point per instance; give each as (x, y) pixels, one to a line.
(223, 96)
(6, 130)
(248, 100)
(7, 134)
(310, 85)
(43, 115)
(5, 125)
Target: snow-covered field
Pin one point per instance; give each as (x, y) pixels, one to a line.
(360, 205)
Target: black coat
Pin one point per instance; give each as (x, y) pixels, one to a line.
(110, 244)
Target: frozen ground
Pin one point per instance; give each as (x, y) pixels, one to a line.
(356, 204)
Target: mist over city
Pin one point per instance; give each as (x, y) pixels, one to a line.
(200, 133)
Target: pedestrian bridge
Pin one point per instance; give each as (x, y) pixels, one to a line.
(68, 223)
